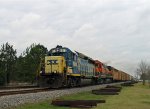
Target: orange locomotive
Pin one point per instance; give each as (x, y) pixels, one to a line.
(103, 72)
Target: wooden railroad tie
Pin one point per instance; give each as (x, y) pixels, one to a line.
(107, 91)
(77, 103)
(110, 90)
(128, 84)
(117, 87)
(98, 92)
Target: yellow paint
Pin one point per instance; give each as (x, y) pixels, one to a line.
(74, 74)
(55, 64)
(69, 69)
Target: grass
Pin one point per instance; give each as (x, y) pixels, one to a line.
(137, 97)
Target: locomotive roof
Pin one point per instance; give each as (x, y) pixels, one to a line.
(84, 56)
(60, 47)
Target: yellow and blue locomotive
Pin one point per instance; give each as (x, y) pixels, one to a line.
(62, 67)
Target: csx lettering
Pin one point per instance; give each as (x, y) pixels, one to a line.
(49, 62)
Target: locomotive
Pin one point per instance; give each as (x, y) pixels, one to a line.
(63, 67)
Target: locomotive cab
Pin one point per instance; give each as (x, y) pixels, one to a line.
(54, 71)
(54, 64)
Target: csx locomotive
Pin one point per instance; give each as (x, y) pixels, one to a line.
(63, 67)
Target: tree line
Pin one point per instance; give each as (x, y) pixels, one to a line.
(143, 71)
(23, 68)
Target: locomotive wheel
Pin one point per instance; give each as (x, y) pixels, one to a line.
(102, 81)
(57, 82)
(71, 82)
(42, 82)
(94, 81)
(78, 82)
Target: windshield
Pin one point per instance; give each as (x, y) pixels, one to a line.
(58, 52)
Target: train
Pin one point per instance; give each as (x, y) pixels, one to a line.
(63, 67)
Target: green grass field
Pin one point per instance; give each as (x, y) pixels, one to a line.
(137, 97)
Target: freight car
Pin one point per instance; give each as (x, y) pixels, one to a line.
(63, 67)
(118, 75)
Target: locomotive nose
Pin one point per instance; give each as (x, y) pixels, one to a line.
(54, 64)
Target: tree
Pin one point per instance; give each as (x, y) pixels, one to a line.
(2, 73)
(148, 75)
(29, 61)
(142, 70)
(7, 62)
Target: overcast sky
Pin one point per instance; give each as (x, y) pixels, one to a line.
(116, 32)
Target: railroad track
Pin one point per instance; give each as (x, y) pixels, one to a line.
(16, 87)
(14, 92)
(36, 90)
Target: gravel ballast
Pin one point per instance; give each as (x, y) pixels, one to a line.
(15, 100)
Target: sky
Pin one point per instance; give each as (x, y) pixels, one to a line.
(115, 32)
